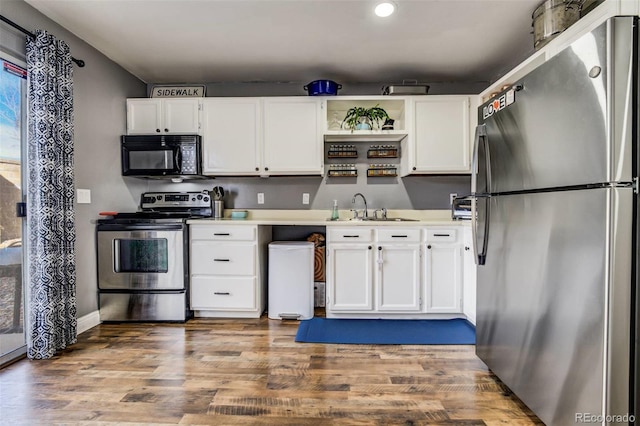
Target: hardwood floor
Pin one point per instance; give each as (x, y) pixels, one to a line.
(251, 372)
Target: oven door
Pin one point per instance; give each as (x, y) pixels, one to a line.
(141, 257)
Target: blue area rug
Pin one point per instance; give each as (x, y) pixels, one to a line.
(387, 332)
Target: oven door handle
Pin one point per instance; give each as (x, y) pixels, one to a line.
(116, 255)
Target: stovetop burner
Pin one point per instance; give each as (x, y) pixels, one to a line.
(155, 215)
(166, 207)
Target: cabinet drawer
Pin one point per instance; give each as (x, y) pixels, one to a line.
(443, 235)
(223, 293)
(223, 233)
(222, 259)
(394, 235)
(354, 235)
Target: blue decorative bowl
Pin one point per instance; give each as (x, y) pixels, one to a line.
(323, 88)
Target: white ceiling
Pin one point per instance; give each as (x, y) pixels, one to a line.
(205, 41)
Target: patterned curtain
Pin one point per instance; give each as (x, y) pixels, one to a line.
(51, 289)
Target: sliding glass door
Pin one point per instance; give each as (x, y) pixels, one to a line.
(12, 149)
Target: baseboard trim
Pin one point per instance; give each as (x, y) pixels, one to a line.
(88, 321)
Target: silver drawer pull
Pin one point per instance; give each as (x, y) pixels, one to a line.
(399, 236)
(441, 235)
(351, 236)
(222, 293)
(222, 234)
(221, 260)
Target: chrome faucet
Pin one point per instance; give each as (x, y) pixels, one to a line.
(364, 213)
(383, 211)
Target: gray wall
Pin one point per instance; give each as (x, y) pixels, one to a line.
(348, 88)
(284, 192)
(100, 90)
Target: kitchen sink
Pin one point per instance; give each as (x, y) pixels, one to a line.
(394, 219)
(371, 219)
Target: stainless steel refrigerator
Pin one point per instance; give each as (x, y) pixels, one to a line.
(555, 217)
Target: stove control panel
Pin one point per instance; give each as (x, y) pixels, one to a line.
(172, 200)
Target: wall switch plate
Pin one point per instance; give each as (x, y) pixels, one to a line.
(84, 196)
(305, 198)
(451, 197)
(260, 197)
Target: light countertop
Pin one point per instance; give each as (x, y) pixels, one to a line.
(320, 218)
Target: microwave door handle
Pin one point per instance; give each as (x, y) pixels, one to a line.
(178, 160)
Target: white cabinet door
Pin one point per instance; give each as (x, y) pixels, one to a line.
(181, 116)
(144, 116)
(443, 268)
(398, 277)
(231, 136)
(164, 116)
(469, 278)
(292, 136)
(349, 277)
(441, 134)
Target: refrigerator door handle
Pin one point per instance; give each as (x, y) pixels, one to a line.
(481, 132)
(481, 142)
(482, 254)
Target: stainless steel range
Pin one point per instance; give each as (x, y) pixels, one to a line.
(143, 258)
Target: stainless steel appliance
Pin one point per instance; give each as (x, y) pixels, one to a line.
(555, 218)
(461, 208)
(162, 156)
(143, 258)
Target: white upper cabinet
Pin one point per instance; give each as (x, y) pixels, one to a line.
(231, 136)
(441, 135)
(261, 136)
(292, 136)
(163, 116)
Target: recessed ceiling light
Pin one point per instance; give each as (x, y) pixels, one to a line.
(385, 9)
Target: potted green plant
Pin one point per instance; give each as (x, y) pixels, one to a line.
(361, 118)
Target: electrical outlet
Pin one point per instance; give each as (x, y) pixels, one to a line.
(84, 196)
(305, 198)
(260, 197)
(451, 197)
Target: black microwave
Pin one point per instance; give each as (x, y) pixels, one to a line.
(162, 156)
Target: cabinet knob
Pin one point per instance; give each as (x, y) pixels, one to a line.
(370, 247)
(414, 168)
(266, 168)
(166, 130)
(429, 246)
(157, 130)
(379, 247)
(257, 169)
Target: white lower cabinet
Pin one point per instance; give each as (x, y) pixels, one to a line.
(350, 263)
(469, 277)
(443, 270)
(373, 272)
(398, 277)
(228, 263)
